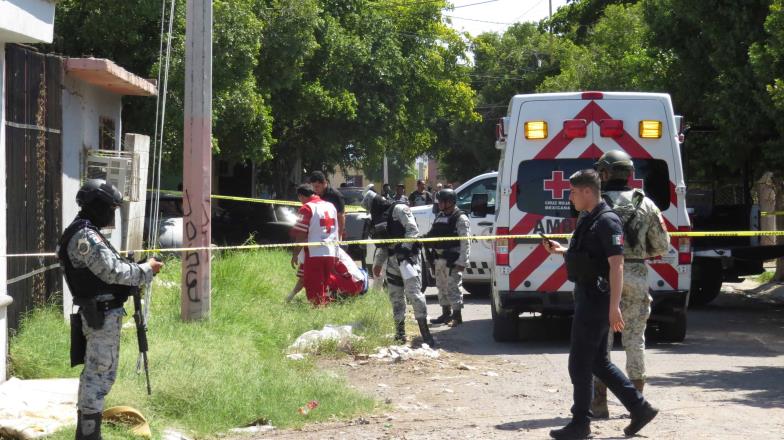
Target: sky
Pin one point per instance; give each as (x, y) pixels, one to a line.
(501, 13)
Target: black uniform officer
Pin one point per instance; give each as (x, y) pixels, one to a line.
(594, 261)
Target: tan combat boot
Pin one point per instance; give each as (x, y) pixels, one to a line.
(599, 403)
(639, 384)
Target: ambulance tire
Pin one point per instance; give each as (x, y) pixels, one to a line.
(674, 331)
(505, 324)
(708, 286)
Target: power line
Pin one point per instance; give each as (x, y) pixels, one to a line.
(478, 21)
(474, 4)
(529, 10)
(425, 2)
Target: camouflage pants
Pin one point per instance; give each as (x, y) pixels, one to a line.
(100, 362)
(636, 308)
(410, 289)
(449, 283)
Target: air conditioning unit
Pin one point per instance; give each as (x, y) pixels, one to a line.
(120, 168)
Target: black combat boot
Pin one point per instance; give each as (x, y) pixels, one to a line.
(427, 338)
(400, 331)
(88, 426)
(446, 313)
(640, 417)
(456, 319)
(572, 431)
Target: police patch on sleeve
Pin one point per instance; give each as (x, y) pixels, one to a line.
(617, 240)
(83, 246)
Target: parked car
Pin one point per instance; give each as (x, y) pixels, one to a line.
(232, 222)
(357, 223)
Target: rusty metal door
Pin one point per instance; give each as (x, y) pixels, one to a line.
(33, 83)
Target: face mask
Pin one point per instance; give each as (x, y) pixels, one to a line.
(100, 214)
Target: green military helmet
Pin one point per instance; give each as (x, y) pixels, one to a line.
(614, 160)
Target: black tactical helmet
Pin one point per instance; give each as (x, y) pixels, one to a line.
(614, 160)
(446, 195)
(98, 190)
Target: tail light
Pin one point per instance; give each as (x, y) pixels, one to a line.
(611, 128)
(575, 128)
(501, 247)
(684, 246)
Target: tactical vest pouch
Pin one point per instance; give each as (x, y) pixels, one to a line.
(451, 257)
(379, 230)
(78, 340)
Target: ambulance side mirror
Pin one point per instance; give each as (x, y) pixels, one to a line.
(479, 205)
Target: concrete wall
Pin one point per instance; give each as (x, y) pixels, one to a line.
(26, 21)
(4, 297)
(83, 107)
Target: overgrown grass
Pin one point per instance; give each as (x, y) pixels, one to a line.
(228, 371)
(764, 277)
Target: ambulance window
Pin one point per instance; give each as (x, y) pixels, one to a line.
(486, 186)
(656, 180)
(543, 185)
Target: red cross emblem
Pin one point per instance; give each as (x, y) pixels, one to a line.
(634, 182)
(327, 222)
(557, 185)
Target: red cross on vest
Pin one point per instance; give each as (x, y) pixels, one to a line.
(327, 222)
(557, 185)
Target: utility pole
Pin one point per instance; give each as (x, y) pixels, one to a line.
(197, 161)
(386, 170)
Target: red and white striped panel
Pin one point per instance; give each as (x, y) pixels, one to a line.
(533, 269)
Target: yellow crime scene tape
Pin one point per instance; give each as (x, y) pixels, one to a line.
(349, 208)
(771, 213)
(405, 240)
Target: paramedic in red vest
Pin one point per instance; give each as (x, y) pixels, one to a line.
(329, 194)
(346, 279)
(317, 223)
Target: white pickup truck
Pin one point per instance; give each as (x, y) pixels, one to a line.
(477, 277)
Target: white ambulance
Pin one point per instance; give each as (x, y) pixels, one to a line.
(543, 140)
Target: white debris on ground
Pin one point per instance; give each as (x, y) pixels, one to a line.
(171, 434)
(31, 409)
(256, 429)
(312, 340)
(397, 353)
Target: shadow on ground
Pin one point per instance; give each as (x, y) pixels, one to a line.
(764, 385)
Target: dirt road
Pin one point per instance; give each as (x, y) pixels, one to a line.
(726, 381)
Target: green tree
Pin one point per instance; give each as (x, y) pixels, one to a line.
(616, 56)
(504, 65)
(363, 79)
(128, 33)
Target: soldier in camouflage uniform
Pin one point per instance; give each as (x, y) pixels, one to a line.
(401, 224)
(645, 237)
(99, 280)
(449, 257)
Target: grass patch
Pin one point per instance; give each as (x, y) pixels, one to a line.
(228, 371)
(765, 277)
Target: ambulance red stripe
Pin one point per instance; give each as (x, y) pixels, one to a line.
(555, 281)
(527, 266)
(559, 142)
(667, 273)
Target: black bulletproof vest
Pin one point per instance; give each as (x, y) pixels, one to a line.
(583, 266)
(82, 282)
(395, 229)
(444, 226)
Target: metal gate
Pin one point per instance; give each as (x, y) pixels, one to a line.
(33, 150)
